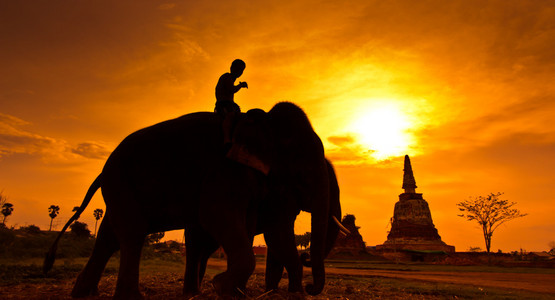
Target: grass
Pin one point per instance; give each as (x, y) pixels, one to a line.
(21, 277)
(162, 278)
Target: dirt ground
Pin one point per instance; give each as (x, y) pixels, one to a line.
(540, 283)
(341, 284)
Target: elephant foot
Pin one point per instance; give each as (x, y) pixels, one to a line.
(84, 287)
(296, 296)
(225, 288)
(81, 292)
(136, 295)
(188, 294)
(295, 286)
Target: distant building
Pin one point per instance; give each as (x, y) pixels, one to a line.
(412, 228)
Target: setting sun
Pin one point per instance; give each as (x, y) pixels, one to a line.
(383, 129)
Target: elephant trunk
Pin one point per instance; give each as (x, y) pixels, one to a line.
(335, 211)
(316, 262)
(319, 224)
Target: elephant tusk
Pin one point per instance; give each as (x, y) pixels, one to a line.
(342, 228)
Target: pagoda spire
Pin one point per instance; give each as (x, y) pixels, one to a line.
(409, 184)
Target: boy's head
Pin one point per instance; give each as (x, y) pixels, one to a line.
(237, 67)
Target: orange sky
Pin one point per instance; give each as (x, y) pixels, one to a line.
(469, 83)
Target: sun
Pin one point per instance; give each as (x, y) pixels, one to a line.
(384, 130)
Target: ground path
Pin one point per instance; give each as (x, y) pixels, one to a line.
(541, 283)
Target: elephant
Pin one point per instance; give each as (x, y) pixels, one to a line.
(179, 174)
(280, 239)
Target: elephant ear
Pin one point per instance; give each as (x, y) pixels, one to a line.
(250, 142)
(241, 154)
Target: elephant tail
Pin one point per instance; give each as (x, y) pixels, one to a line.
(51, 254)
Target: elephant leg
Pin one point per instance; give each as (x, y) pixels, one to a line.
(106, 244)
(204, 260)
(240, 265)
(127, 286)
(274, 270)
(199, 248)
(282, 252)
(237, 244)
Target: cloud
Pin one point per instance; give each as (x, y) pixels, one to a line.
(341, 140)
(91, 150)
(345, 151)
(15, 139)
(527, 120)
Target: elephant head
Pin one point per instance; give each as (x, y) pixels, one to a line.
(283, 145)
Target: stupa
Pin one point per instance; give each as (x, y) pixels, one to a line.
(350, 244)
(412, 227)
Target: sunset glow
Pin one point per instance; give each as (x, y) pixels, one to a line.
(383, 129)
(463, 87)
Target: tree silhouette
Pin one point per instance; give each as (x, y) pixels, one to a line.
(80, 229)
(97, 215)
(53, 212)
(31, 229)
(7, 208)
(489, 212)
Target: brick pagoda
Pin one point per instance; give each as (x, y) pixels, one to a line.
(351, 244)
(412, 227)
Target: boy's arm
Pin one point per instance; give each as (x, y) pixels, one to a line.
(241, 84)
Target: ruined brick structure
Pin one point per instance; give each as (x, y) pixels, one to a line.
(412, 227)
(350, 244)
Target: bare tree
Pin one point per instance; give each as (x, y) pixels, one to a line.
(97, 215)
(53, 212)
(489, 212)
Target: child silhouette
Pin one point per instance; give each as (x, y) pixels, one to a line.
(226, 89)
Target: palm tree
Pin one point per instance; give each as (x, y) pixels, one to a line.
(97, 215)
(7, 209)
(53, 210)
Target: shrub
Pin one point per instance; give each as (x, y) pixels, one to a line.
(31, 229)
(80, 229)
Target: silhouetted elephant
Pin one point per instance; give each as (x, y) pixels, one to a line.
(279, 234)
(175, 175)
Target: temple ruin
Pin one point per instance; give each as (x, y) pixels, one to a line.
(412, 227)
(351, 244)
